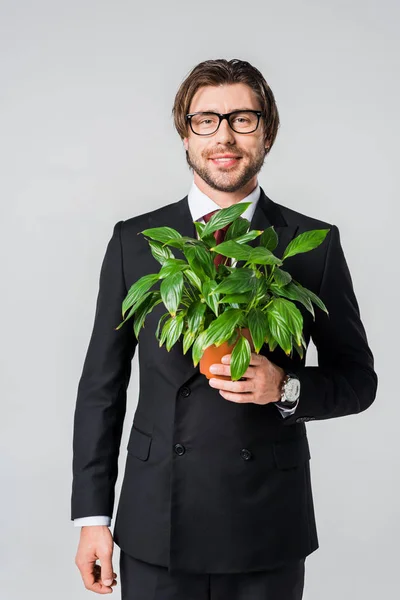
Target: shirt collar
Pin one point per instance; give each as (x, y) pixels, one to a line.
(200, 204)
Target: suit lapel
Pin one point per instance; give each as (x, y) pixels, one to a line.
(267, 213)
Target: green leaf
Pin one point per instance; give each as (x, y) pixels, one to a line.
(200, 261)
(165, 315)
(188, 339)
(313, 297)
(272, 343)
(198, 347)
(171, 291)
(237, 229)
(260, 292)
(269, 239)
(210, 296)
(293, 292)
(236, 298)
(299, 349)
(193, 278)
(247, 237)
(224, 216)
(162, 234)
(181, 243)
(199, 228)
(305, 241)
(137, 290)
(133, 309)
(233, 250)
(258, 326)
(281, 277)
(222, 327)
(171, 266)
(240, 280)
(263, 256)
(175, 330)
(240, 358)
(279, 332)
(285, 319)
(195, 315)
(160, 252)
(144, 309)
(164, 332)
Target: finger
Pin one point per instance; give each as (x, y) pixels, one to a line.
(88, 572)
(238, 398)
(257, 359)
(97, 574)
(220, 369)
(240, 387)
(107, 571)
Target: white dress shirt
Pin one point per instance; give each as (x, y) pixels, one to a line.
(199, 204)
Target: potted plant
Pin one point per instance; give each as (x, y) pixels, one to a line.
(224, 308)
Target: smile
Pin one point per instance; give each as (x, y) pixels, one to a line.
(225, 161)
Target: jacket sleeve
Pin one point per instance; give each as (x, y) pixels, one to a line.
(344, 382)
(101, 397)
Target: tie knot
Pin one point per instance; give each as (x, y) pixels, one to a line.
(219, 235)
(208, 216)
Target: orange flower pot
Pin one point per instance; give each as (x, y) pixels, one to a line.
(213, 354)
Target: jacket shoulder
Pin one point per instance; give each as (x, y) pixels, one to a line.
(157, 215)
(304, 221)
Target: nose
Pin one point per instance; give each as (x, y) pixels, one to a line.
(224, 134)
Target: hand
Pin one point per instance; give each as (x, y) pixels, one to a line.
(96, 542)
(261, 386)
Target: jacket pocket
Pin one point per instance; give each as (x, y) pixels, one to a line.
(290, 454)
(139, 443)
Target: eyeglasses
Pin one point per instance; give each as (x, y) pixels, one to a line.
(240, 121)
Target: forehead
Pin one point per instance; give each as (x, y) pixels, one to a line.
(224, 98)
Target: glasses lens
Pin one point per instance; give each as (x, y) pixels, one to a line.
(243, 122)
(205, 123)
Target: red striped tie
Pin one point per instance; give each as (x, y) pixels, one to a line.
(219, 238)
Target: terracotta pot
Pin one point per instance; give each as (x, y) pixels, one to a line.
(213, 354)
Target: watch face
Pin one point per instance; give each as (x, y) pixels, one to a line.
(292, 389)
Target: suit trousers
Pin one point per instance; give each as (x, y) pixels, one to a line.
(144, 581)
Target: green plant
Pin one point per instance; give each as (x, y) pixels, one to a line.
(208, 304)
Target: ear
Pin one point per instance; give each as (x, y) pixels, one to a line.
(186, 143)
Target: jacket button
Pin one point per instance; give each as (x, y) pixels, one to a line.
(185, 391)
(245, 454)
(179, 449)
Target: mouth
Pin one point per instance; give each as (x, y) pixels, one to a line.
(225, 160)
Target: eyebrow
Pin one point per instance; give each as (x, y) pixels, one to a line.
(217, 111)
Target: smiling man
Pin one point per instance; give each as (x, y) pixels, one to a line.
(216, 500)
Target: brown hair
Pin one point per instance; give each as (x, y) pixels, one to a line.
(221, 71)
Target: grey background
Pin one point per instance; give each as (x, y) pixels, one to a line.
(87, 139)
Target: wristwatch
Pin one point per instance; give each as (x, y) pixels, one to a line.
(290, 390)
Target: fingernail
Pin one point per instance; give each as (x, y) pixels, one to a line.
(213, 369)
(107, 581)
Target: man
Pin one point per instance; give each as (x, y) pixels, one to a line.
(216, 500)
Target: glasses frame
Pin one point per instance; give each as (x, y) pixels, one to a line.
(223, 116)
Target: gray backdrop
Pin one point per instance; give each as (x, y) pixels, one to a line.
(87, 139)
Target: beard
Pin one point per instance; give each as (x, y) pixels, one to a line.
(229, 180)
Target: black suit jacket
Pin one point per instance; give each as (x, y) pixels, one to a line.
(211, 486)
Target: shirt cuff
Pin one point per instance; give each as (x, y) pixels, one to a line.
(97, 520)
(286, 412)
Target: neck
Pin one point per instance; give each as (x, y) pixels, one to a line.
(224, 199)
